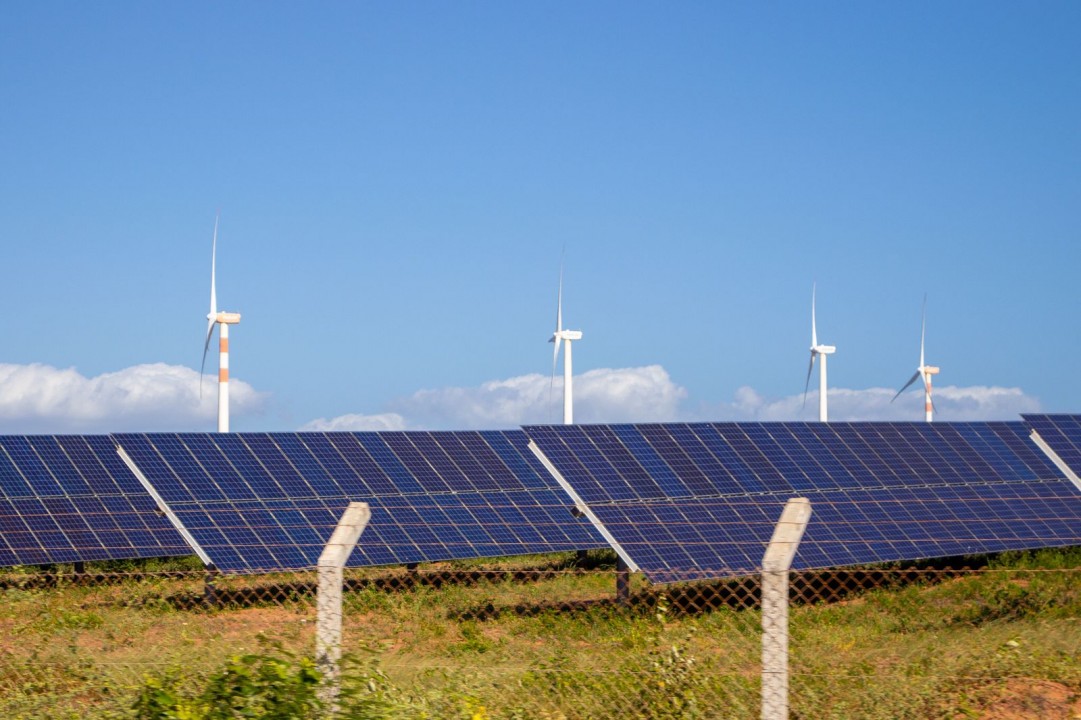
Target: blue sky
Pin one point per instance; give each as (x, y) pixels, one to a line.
(396, 184)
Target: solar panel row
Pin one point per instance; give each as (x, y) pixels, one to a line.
(714, 537)
(69, 498)
(258, 501)
(680, 500)
(614, 463)
(683, 501)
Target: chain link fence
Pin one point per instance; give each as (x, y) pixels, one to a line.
(548, 638)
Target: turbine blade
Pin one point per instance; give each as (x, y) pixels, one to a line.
(814, 331)
(559, 303)
(213, 302)
(555, 360)
(206, 347)
(213, 263)
(807, 385)
(555, 351)
(557, 337)
(908, 384)
(923, 327)
(551, 392)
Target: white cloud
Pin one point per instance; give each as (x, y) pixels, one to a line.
(644, 394)
(604, 395)
(355, 423)
(648, 394)
(951, 403)
(43, 399)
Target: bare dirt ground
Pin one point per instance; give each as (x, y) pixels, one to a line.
(1028, 699)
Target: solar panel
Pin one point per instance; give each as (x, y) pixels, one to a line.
(69, 498)
(1059, 436)
(258, 501)
(683, 501)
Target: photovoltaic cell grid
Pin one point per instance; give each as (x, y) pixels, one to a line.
(1062, 433)
(256, 501)
(688, 501)
(69, 498)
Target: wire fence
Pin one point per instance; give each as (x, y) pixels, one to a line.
(547, 637)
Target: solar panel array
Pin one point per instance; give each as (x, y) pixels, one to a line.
(257, 501)
(69, 498)
(1062, 433)
(678, 500)
(684, 501)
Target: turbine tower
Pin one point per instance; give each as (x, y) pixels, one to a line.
(816, 350)
(567, 336)
(924, 370)
(223, 320)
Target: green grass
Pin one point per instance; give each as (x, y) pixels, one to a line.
(930, 643)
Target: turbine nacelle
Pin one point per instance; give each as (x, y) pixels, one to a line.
(823, 349)
(224, 318)
(929, 370)
(566, 335)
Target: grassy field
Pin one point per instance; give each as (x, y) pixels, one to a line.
(538, 638)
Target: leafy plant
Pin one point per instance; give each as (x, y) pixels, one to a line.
(273, 685)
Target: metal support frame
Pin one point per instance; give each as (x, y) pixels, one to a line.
(164, 507)
(1053, 457)
(581, 507)
(624, 564)
(775, 566)
(328, 629)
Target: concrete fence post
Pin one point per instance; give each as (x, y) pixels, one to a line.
(328, 628)
(775, 566)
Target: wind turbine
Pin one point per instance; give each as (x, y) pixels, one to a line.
(924, 369)
(223, 320)
(817, 350)
(568, 336)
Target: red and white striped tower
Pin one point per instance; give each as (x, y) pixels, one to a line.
(224, 320)
(928, 406)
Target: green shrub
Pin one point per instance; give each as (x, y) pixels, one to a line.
(273, 685)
